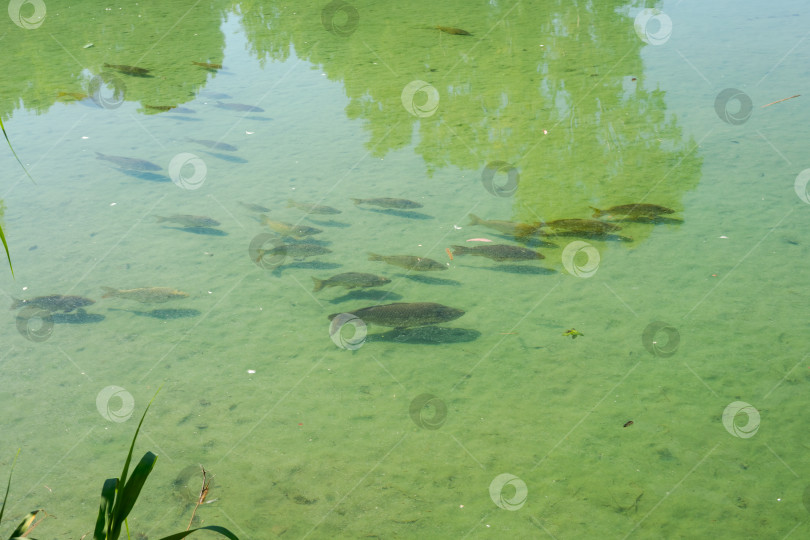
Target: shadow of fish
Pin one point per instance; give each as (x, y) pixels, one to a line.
(430, 280)
(405, 315)
(145, 175)
(54, 303)
(226, 157)
(164, 314)
(309, 265)
(79, 317)
(133, 164)
(426, 335)
(521, 269)
(206, 231)
(213, 145)
(238, 107)
(371, 295)
(330, 223)
(410, 214)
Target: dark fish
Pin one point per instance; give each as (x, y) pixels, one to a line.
(208, 65)
(454, 31)
(506, 227)
(350, 280)
(129, 70)
(214, 145)
(312, 208)
(288, 229)
(583, 225)
(187, 220)
(387, 202)
(296, 251)
(255, 207)
(238, 107)
(404, 315)
(409, 262)
(633, 210)
(132, 164)
(499, 252)
(54, 303)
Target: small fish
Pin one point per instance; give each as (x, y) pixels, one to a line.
(288, 229)
(405, 315)
(499, 252)
(409, 262)
(454, 31)
(633, 210)
(146, 295)
(506, 227)
(54, 303)
(188, 220)
(255, 207)
(583, 225)
(208, 65)
(350, 280)
(132, 164)
(628, 423)
(296, 251)
(129, 70)
(214, 145)
(312, 208)
(387, 202)
(238, 107)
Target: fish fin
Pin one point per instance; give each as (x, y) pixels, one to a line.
(108, 291)
(17, 303)
(356, 201)
(332, 316)
(596, 212)
(474, 220)
(459, 250)
(374, 257)
(318, 284)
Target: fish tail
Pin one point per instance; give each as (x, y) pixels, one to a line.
(374, 257)
(161, 219)
(108, 291)
(356, 201)
(596, 212)
(17, 303)
(460, 250)
(474, 220)
(318, 284)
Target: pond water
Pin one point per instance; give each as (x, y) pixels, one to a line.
(646, 378)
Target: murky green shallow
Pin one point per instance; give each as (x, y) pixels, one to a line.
(410, 434)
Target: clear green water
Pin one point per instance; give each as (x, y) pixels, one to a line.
(306, 439)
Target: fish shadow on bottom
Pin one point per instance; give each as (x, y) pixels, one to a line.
(330, 223)
(145, 175)
(80, 317)
(164, 314)
(521, 269)
(426, 335)
(206, 231)
(226, 157)
(309, 265)
(410, 214)
(430, 280)
(377, 296)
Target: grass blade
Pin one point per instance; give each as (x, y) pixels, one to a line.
(22, 528)
(105, 509)
(216, 528)
(132, 489)
(5, 245)
(12, 150)
(8, 487)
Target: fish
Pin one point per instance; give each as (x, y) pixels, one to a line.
(163, 108)
(409, 262)
(255, 207)
(296, 251)
(129, 70)
(633, 210)
(499, 252)
(188, 220)
(214, 145)
(405, 315)
(208, 65)
(312, 208)
(583, 225)
(54, 303)
(387, 202)
(238, 107)
(288, 229)
(146, 295)
(454, 31)
(132, 164)
(506, 227)
(350, 280)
